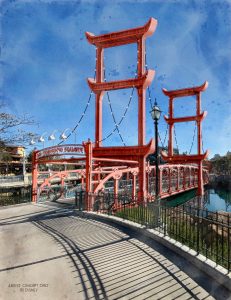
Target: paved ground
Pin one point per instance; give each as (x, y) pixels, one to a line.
(51, 253)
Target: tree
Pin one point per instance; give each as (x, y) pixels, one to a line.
(216, 156)
(11, 131)
(7, 158)
(221, 164)
(29, 156)
(228, 154)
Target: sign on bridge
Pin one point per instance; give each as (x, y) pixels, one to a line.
(61, 150)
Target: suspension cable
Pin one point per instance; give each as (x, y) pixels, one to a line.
(160, 139)
(112, 113)
(166, 132)
(81, 118)
(194, 132)
(114, 119)
(124, 114)
(149, 90)
(176, 139)
(202, 143)
(122, 118)
(84, 112)
(151, 105)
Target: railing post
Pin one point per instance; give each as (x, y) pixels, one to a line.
(76, 199)
(184, 179)
(81, 201)
(62, 185)
(133, 186)
(178, 179)
(116, 185)
(189, 176)
(194, 181)
(169, 180)
(147, 182)
(229, 244)
(216, 237)
(160, 181)
(198, 231)
(200, 179)
(82, 182)
(165, 218)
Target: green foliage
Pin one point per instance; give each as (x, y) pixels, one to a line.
(5, 156)
(12, 128)
(194, 232)
(221, 164)
(29, 156)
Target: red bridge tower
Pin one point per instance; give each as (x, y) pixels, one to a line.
(144, 79)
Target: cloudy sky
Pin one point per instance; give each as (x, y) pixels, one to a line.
(45, 60)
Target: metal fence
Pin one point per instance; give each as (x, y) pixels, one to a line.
(206, 232)
(13, 196)
(9, 179)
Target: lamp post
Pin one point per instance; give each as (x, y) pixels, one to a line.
(155, 113)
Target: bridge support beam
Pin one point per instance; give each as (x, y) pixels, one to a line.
(198, 118)
(88, 150)
(141, 82)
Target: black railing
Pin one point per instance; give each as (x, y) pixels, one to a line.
(206, 232)
(9, 179)
(13, 196)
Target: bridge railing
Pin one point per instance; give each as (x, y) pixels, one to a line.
(206, 232)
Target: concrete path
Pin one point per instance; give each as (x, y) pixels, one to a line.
(51, 253)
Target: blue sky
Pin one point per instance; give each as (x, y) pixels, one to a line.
(45, 60)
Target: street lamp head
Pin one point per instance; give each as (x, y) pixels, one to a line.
(42, 139)
(32, 142)
(51, 137)
(63, 136)
(155, 112)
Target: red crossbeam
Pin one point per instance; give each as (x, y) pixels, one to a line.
(123, 37)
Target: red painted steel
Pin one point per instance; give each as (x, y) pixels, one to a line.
(199, 117)
(112, 164)
(98, 86)
(123, 37)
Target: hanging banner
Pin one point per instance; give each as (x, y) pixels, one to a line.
(61, 150)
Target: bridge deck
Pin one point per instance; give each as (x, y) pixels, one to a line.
(91, 260)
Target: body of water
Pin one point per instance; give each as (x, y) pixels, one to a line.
(213, 200)
(219, 199)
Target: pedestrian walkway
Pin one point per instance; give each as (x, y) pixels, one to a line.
(51, 253)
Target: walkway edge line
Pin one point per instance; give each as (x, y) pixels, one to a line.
(216, 272)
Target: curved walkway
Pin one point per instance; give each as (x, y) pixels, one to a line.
(51, 253)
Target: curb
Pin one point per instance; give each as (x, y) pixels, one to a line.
(216, 272)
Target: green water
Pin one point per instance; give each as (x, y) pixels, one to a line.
(213, 200)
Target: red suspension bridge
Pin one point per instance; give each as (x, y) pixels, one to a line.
(125, 168)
